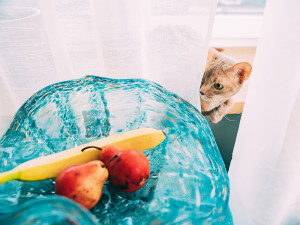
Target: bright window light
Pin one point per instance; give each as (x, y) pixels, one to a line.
(241, 6)
(238, 23)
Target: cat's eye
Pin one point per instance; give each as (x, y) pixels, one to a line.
(218, 86)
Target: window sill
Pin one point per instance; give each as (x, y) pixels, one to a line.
(237, 108)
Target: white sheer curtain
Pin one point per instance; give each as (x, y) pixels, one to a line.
(46, 41)
(265, 169)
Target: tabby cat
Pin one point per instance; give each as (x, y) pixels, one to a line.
(222, 79)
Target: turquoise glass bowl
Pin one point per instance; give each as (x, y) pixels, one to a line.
(188, 181)
(49, 211)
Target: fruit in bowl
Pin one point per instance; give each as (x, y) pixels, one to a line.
(82, 183)
(129, 169)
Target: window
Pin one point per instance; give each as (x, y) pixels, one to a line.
(241, 6)
(238, 23)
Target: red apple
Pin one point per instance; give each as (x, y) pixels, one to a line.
(108, 151)
(129, 171)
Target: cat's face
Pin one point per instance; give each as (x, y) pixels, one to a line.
(222, 79)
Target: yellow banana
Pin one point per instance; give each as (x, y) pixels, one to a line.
(50, 166)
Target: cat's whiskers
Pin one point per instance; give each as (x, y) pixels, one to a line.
(229, 119)
(205, 98)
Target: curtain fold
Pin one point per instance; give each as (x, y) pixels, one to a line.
(45, 41)
(264, 173)
(57, 44)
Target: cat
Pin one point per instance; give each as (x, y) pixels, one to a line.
(222, 79)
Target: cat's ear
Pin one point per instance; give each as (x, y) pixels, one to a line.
(242, 69)
(213, 54)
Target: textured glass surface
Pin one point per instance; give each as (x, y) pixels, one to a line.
(52, 210)
(188, 181)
